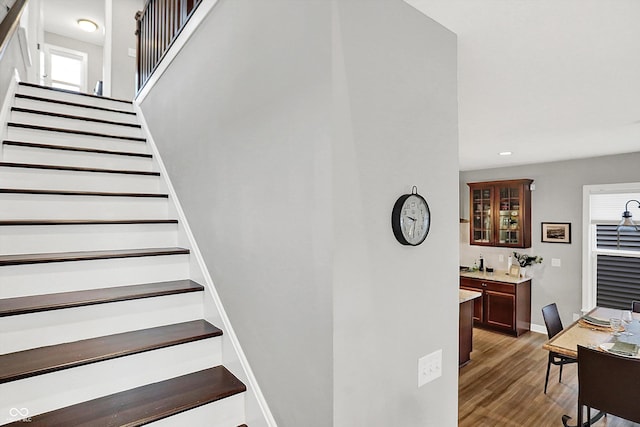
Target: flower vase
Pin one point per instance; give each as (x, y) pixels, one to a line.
(523, 272)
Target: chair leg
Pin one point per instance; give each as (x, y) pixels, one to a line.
(546, 378)
(589, 416)
(560, 377)
(579, 415)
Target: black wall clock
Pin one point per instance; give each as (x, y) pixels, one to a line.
(411, 218)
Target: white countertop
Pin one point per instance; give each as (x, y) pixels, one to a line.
(497, 276)
(466, 295)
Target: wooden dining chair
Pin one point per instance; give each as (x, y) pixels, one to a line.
(554, 327)
(609, 383)
(635, 306)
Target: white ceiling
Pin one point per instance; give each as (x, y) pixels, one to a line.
(60, 17)
(546, 79)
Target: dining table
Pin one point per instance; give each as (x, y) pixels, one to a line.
(591, 331)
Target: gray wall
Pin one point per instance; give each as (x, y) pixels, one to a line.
(557, 198)
(11, 59)
(123, 66)
(94, 55)
(289, 129)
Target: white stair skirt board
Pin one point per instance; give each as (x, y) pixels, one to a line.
(38, 206)
(73, 124)
(223, 413)
(44, 393)
(75, 238)
(37, 279)
(76, 98)
(45, 156)
(26, 331)
(75, 140)
(93, 113)
(53, 179)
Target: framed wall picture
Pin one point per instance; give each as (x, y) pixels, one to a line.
(556, 232)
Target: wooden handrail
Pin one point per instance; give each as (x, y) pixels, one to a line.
(158, 24)
(10, 23)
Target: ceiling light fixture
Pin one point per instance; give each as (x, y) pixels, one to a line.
(87, 25)
(505, 153)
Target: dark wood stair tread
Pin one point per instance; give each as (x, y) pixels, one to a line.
(42, 360)
(72, 92)
(75, 132)
(76, 169)
(73, 117)
(148, 403)
(79, 193)
(23, 222)
(72, 104)
(57, 301)
(78, 149)
(21, 259)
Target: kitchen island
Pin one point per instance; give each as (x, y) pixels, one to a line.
(466, 325)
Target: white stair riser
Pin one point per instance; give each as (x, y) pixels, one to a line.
(38, 279)
(20, 154)
(49, 179)
(74, 111)
(223, 413)
(75, 124)
(73, 140)
(68, 238)
(35, 330)
(56, 390)
(75, 98)
(28, 206)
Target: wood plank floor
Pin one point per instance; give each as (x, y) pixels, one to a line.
(503, 385)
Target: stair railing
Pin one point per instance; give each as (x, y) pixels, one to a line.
(158, 24)
(10, 23)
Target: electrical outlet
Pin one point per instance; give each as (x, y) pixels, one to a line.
(556, 262)
(429, 367)
(500, 258)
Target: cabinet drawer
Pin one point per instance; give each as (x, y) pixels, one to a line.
(471, 283)
(487, 285)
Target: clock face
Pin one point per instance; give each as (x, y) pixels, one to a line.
(411, 219)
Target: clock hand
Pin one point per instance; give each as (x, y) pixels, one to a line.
(412, 219)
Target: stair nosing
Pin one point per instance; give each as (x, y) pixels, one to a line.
(55, 257)
(72, 104)
(73, 117)
(77, 169)
(62, 300)
(73, 358)
(48, 222)
(167, 398)
(75, 132)
(72, 148)
(71, 92)
(80, 193)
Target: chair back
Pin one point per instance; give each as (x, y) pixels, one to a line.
(635, 306)
(552, 320)
(609, 383)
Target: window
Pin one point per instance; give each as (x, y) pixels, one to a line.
(611, 271)
(65, 68)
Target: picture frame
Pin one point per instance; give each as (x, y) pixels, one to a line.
(556, 232)
(514, 270)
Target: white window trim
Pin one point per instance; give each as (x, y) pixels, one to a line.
(589, 253)
(49, 48)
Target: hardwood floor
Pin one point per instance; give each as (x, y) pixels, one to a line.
(503, 385)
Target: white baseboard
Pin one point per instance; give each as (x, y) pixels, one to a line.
(538, 328)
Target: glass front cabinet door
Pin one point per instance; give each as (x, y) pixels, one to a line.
(500, 213)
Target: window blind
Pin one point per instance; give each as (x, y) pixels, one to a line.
(607, 238)
(618, 281)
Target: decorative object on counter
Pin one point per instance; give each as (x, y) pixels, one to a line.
(525, 260)
(627, 224)
(556, 232)
(411, 218)
(514, 270)
(481, 263)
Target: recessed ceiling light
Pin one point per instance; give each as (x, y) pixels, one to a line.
(505, 153)
(87, 25)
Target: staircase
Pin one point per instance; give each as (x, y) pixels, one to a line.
(100, 324)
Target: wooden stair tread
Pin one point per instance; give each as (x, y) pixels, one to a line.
(43, 360)
(75, 132)
(72, 92)
(22, 222)
(78, 193)
(20, 259)
(72, 104)
(76, 169)
(57, 301)
(73, 117)
(148, 403)
(71, 148)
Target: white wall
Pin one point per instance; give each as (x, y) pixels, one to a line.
(557, 198)
(122, 70)
(289, 129)
(94, 55)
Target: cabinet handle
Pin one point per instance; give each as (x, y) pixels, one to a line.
(484, 285)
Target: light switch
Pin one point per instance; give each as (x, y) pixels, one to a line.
(131, 52)
(555, 262)
(429, 367)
